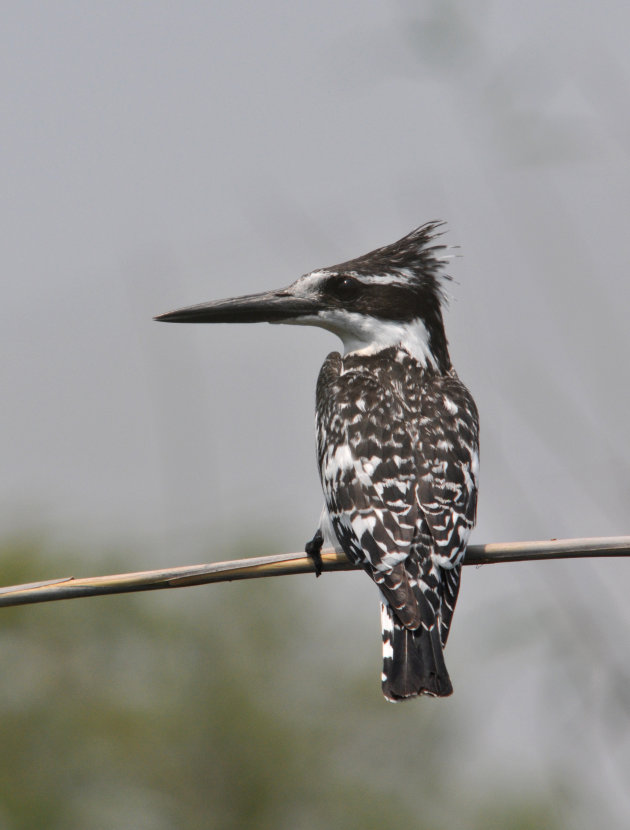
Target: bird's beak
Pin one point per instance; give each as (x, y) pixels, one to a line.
(267, 307)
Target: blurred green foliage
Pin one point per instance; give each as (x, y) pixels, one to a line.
(204, 708)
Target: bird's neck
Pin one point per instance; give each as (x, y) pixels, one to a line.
(374, 336)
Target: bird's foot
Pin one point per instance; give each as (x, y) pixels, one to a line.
(313, 549)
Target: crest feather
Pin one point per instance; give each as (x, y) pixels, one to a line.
(414, 258)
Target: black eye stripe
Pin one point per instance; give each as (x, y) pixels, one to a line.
(394, 302)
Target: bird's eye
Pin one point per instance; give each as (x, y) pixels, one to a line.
(345, 288)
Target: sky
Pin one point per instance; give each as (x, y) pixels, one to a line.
(158, 155)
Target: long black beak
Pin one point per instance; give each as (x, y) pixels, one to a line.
(268, 307)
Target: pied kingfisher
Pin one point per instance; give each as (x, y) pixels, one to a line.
(397, 439)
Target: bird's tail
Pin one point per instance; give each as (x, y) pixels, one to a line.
(413, 661)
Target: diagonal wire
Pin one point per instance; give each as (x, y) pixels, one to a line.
(289, 563)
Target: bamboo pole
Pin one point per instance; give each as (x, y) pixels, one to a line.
(289, 563)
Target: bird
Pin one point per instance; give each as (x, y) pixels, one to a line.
(397, 436)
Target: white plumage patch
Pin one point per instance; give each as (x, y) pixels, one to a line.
(387, 629)
(340, 461)
(450, 405)
(366, 335)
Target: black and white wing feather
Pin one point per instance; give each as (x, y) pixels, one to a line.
(400, 496)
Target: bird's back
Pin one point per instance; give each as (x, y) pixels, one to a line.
(398, 455)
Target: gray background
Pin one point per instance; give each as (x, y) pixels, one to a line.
(157, 155)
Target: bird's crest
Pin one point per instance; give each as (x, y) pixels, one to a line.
(414, 260)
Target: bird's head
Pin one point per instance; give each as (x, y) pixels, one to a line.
(390, 297)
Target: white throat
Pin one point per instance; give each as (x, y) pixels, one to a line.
(362, 334)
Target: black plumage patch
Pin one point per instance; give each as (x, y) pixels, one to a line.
(414, 255)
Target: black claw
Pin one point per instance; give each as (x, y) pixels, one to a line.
(314, 550)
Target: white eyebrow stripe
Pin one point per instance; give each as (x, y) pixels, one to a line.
(402, 276)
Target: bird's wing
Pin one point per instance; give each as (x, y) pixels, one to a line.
(448, 461)
(368, 470)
